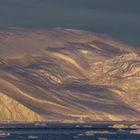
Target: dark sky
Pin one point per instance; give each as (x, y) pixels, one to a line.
(119, 18)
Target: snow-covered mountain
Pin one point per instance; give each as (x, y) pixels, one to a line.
(67, 75)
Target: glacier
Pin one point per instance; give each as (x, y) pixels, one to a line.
(67, 75)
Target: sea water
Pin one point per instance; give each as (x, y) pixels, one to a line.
(57, 131)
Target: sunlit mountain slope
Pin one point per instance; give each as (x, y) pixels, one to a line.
(68, 76)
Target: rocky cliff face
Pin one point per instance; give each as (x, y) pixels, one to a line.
(11, 110)
(68, 76)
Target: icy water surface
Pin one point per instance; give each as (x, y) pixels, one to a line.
(93, 131)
